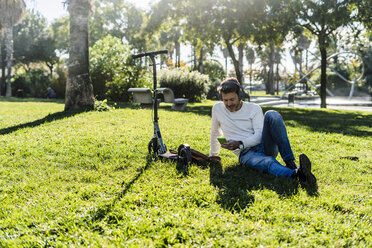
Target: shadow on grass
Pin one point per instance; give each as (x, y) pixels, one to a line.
(104, 211)
(316, 120)
(26, 99)
(199, 109)
(236, 183)
(46, 119)
(331, 121)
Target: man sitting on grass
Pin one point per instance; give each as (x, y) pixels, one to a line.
(256, 139)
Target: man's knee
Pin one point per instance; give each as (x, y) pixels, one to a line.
(272, 115)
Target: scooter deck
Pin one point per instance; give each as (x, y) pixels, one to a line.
(169, 155)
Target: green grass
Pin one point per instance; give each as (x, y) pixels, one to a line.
(84, 180)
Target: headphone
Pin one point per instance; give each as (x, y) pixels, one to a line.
(242, 95)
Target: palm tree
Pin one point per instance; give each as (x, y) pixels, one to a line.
(11, 13)
(79, 88)
(251, 57)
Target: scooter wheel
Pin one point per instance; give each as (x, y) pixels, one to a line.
(153, 147)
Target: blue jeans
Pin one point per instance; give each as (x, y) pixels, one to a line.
(274, 139)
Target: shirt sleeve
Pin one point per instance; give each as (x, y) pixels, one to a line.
(257, 125)
(215, 132)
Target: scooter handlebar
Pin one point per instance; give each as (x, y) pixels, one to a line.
(140, 55)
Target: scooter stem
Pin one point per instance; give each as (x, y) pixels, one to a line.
(157, 133)
(152, 57)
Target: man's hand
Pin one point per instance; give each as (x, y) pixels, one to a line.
(231, 145)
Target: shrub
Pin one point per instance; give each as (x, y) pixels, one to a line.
(212, 90)
(59, 81)
(113, 70)
(191, 85)
(367, 61)
(216, 74)
(214, 70)
(32, 83)
(101, 106)
(334, 83)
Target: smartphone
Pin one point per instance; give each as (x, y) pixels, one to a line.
(222, 140)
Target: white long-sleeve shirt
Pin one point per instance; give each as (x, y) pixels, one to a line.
(243, 125)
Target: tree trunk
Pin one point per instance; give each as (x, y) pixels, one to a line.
(225, 52)
(51, 67)
(195, 60)
(264, 75)
(3, 67)
(8, 59)
(270, 78)
(1, 61)
(240, 57)
(277, 78)
(2, 83)
(79, 88)
(200, 66)
(178, 54)
(238, 73)
(323, 71)
(250, 76)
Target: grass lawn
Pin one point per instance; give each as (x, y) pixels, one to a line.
(84, 179)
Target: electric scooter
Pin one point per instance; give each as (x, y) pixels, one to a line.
(156, 146)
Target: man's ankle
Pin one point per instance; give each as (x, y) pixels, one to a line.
(290, 164)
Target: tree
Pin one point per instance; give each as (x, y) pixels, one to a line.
(235, 29)
(33, 43)
(59, 30)
(367, 60)
(189, 21)
(79, 89)
(302, 43)
(273, 20)
(11, 13)
(364, 14)
(199, 28)
(251, 57)
(170, 39)
(113, 70)
(263, 54)
(164, 22)
(2, 59)
(119, 19)
(278, 58)
(323, 18)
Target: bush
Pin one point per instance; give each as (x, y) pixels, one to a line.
(101, 106)
(216, 74)
(367, 61)
(191, 85)
(334, 83)
(59, 80)
(113, 70)
(212, 90)
(214, 70)
(32, 83)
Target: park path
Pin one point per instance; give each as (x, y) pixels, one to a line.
(356, 103)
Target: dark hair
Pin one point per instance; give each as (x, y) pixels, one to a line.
(229, 85)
